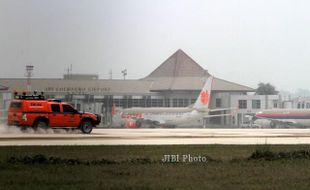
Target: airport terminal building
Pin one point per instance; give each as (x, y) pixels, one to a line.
(175, 83)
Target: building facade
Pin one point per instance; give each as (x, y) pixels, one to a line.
(175, 83)
(297, 103)
(5, 98)
(248, 105)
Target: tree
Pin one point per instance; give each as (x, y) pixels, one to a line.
(266, 89)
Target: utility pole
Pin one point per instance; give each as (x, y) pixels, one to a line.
(29, 74)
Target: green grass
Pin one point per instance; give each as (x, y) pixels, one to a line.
(231, 168)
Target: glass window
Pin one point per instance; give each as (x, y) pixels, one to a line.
(175, 102)
(157, 103)
(242, 104)
(78, 106)
(118, 102)
(193, 101)
(275, 103)
(148, 102)
(180, 103)
(68, 109)
(138, 103)
(167, 102)
(256, 104)
(16, 105)
(186, 102)
(218, 102)
(55, 107)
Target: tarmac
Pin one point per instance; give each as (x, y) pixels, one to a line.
(155, 137)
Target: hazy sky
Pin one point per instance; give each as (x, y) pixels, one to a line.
(244, 41)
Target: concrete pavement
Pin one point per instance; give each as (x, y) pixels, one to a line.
(156, 137)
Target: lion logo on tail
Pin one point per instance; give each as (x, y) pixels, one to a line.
(204, 98)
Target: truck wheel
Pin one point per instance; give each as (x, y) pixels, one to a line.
(40, 125)
(86, 127)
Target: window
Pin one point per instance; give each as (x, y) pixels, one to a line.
(138, 103)
(218, 102)
(148, 101)
(193, 101)
(55, 107)
(167, 102)
(78, 106)
(175, 102)
(275, 104)
(179, 102)
(157, 102)
(118, 102)
(68, 109)
(242, 104)
(185, 102)
(16, 105)
(256, 104)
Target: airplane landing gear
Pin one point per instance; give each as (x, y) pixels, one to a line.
(273, 124)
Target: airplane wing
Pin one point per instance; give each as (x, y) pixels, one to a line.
(219, 115)
(222, 109)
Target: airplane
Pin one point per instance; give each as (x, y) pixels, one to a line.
(170, 117)
(285, 117)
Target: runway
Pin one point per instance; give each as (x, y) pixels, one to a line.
(157, 137)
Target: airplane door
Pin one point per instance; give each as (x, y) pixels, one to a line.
(55, 117)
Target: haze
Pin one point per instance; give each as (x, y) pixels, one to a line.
(241, 41)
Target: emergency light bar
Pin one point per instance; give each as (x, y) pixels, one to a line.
(24, 96)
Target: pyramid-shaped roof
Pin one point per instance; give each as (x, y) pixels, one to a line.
(179, 65)
(180, 72)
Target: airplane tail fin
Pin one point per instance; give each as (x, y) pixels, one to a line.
(203, 100)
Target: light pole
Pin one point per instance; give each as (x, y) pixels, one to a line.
(29, 74)
(124, 73)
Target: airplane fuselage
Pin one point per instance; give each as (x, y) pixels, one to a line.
(166, 116)
(191, 116)
(299, 117)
